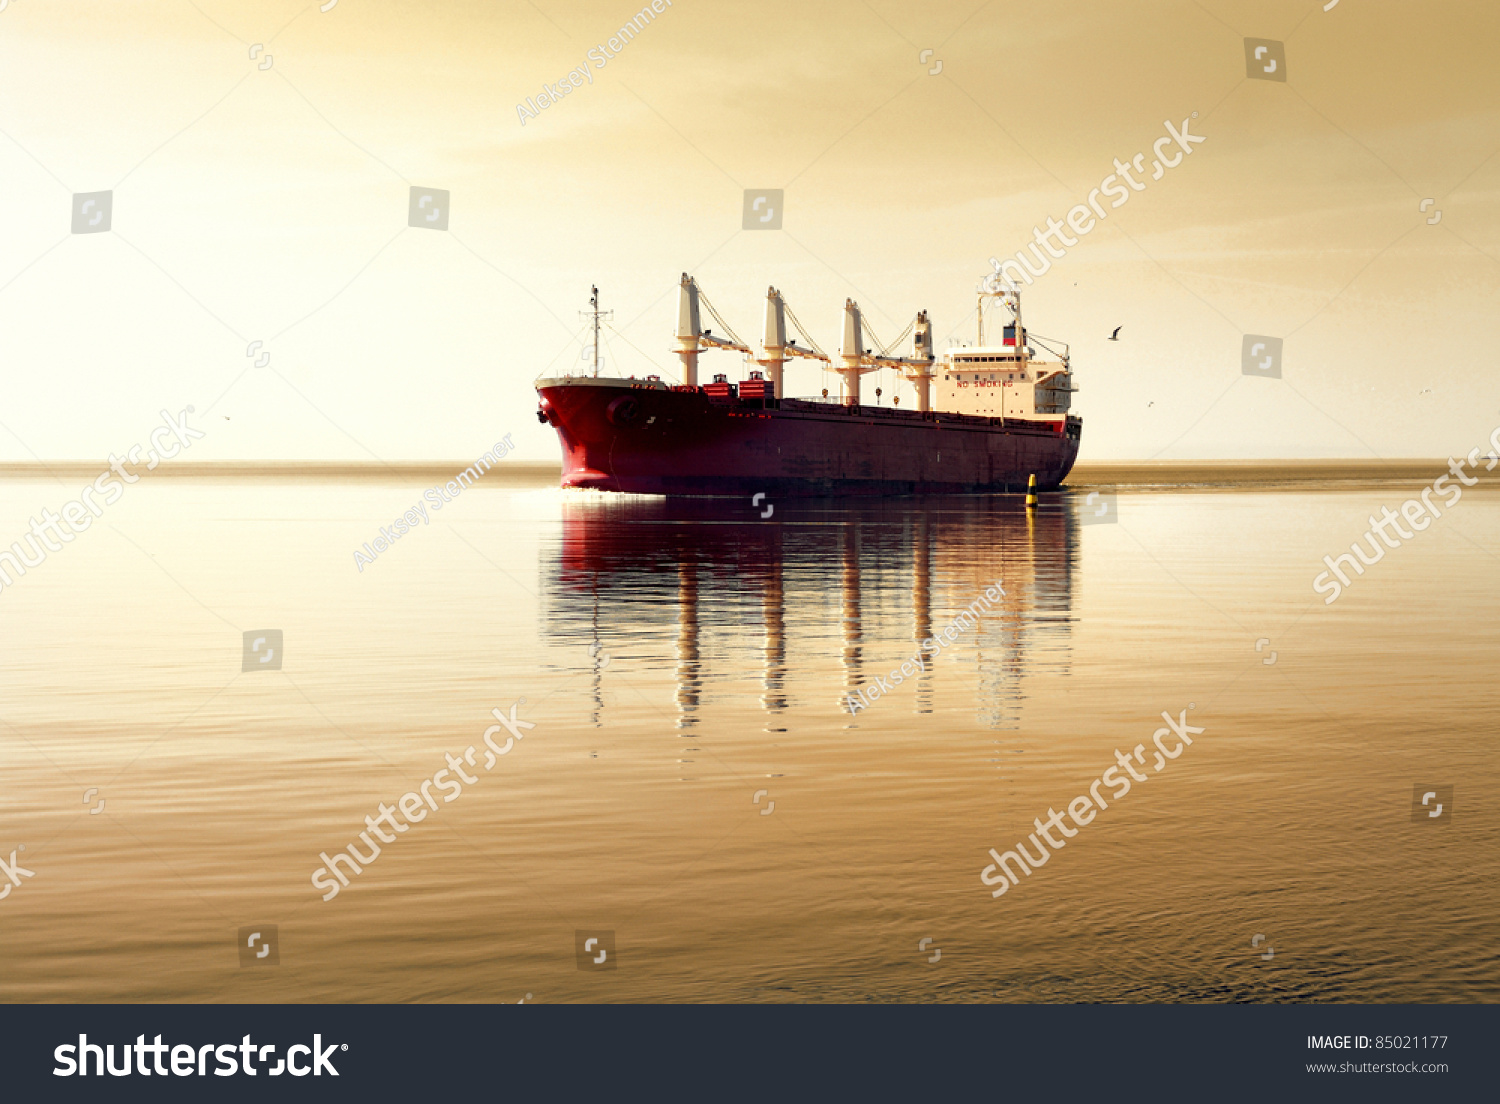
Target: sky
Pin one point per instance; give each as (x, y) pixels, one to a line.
(254, 202)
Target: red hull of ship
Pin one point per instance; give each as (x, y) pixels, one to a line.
(637, 438)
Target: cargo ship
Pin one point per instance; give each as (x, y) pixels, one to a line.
(988, 416)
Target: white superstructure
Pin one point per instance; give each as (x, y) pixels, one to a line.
(1007, 380)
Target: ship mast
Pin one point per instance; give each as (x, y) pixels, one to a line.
(595, 315)
(594, 306)
(1020, 329)
(1011, 297)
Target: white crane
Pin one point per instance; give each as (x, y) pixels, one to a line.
(856, 358)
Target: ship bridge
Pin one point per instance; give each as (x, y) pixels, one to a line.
(1010, 380)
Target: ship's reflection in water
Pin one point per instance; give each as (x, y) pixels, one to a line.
(720, 592)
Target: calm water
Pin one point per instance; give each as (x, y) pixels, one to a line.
(694, 784)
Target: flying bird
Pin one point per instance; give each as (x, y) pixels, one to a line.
(1116, 335)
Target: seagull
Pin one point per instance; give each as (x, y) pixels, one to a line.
(1150, 404)
(1116, 335)
(1425, 391)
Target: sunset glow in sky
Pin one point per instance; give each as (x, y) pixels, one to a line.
(254, 202)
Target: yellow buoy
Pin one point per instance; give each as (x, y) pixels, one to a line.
(1031, 493)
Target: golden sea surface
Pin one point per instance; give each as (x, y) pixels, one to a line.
(695, 789)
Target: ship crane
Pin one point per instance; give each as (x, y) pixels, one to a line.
(691, 336)
(855, 357)
(857, 360)
(774, 346)
(918, 368)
